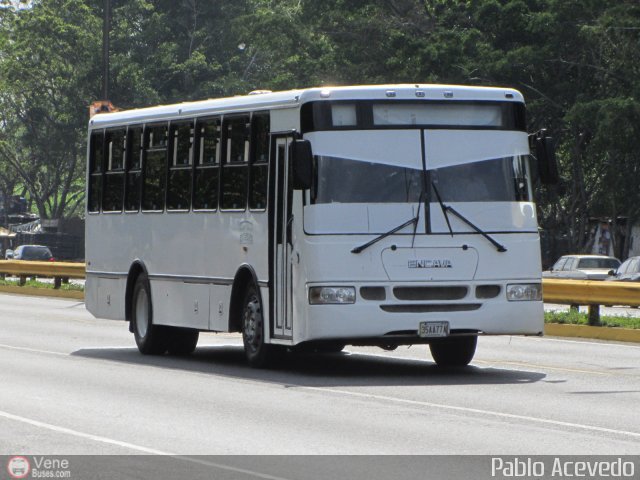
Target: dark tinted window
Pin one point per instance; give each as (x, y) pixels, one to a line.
(114, 175)
(180, 167)
(155, 173)
(207, 168)
(35, 253)
(133, 170)
(235, 168)
(96, 166)
(259, 162)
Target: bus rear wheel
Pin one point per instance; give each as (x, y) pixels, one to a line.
(151, 339)
(453, 351)
(181, 341)
(258, 352)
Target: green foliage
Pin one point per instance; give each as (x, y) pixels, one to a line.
(576, 318)
(576, 61)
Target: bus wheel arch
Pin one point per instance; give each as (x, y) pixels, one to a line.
(245, 278)
(246, 315)
(135, 270)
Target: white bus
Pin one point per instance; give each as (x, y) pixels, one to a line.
(366, 215)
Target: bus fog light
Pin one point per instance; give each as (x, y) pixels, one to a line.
(523, 292)
(332, 295)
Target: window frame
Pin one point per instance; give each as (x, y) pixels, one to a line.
(226, 164)
(109, 171)
(172, 166)
(98, 174)
(163, 168)
(127, 167)
(203, 167)
(253, 161)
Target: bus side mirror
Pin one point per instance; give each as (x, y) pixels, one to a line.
(302, 164)
(545, 153)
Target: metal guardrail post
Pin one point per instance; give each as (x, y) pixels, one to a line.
(594, 315)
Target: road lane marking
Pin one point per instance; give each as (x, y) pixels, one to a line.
(76, 433)
(454, 408)
(33, 350)
(131, 446)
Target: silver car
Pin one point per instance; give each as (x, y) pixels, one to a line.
(582, 267)
(629, 271)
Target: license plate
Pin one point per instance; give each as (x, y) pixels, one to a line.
(433, 329)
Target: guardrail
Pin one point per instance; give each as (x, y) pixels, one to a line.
(567, 292)
(590, 293)
(59, 271)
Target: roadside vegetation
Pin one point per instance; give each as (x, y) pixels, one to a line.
(15, 282)
(577, 318)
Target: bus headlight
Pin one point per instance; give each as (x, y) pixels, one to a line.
(332, 295)
(524, 292)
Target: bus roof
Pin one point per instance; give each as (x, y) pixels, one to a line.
(291, 98)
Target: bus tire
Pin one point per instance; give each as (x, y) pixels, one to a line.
(453, 351)
(257, 351)
(151, 339)
(182, 341)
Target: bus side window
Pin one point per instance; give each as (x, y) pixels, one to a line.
(235, 168)
(260, 128)
(113, 192)
(154, 167)
(96, 167)
(133, 169)
(180, 166)
(207, 168)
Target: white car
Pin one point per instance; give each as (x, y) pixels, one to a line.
(582, 267)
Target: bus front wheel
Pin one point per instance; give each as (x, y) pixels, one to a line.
(257, 351)
(151, 339)
(453, 351)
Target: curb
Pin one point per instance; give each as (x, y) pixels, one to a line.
(587, 331)
(42, 292)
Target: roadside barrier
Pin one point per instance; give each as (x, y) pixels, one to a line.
(567, 292)
(590, 293)
(59, 271)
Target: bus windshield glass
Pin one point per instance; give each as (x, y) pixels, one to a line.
(342, 180)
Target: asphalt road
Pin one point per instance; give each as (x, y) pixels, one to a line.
(71, 384)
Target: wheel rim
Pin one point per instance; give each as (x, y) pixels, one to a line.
(142, 313)
(252, 323)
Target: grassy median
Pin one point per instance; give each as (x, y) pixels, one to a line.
(39, 284)
(576, 318)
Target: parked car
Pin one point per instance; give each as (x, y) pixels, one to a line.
(582, 267)
(30, 252)
(629, 271)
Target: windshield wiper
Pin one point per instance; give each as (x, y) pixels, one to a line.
(447, 208)
(359, 249)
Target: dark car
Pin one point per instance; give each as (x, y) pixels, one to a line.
(582, 267)
(30, 252)
(629, 271)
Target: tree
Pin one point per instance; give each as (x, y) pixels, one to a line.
(49, 69)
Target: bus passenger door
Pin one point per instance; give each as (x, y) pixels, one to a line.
(282, 240)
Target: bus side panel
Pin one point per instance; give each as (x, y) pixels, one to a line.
(104, 297)
(180, 304)
(220, 296)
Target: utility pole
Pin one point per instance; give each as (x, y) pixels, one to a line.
(106, 27)
(104, 105)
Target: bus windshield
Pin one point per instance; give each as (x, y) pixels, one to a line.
(342, 180)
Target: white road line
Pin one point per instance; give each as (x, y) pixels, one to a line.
(527, 418)
(76, 433)
(131, 446)
(34, 350)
